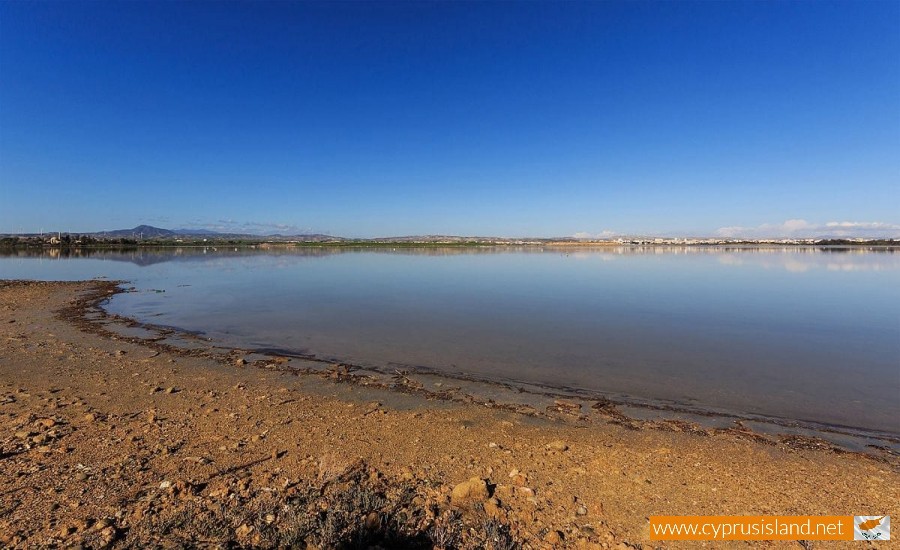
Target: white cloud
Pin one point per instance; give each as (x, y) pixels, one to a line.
(798, 228)
(250, 228)
(605, 234)
(863, 225)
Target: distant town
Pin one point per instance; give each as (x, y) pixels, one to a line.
(145, 235)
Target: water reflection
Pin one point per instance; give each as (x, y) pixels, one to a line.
(796, 259)
(808, 333)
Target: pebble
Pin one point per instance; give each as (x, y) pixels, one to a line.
(372, 521)
(557, 445)
(553, 537)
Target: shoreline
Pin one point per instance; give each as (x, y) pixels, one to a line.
(523, 397)
(142, 431)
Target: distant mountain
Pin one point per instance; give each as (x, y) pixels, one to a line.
(148, 232)
(139, 232)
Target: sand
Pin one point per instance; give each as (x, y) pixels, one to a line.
(109, 442)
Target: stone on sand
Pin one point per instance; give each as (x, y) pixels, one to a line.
(467, 492)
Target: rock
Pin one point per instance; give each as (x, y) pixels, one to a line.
(467, 492)
(91, 417)
(184, 489)
(240, 362)
(517, 477)
(373, 521)
(107, 536)
(581, 510)
(527, 491)
(23, 434)
(172, 389)
(557, 445)
(45, 422)
(165, 484)
(554, 537)
(243, 531)
(81, 476)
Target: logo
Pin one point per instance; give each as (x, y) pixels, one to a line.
(871, 527)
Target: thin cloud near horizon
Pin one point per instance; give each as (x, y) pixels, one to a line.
(793, 228)
(249, 227)
(802, 228)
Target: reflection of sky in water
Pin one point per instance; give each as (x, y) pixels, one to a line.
(790, 332)
(799, 262)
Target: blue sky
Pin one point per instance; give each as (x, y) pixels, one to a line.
(375, 119)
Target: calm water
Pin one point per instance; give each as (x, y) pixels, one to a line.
(799, 333)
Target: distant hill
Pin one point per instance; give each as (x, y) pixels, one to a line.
(148, 232)
(139, 232)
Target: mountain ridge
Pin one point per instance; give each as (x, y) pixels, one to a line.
(149, 232)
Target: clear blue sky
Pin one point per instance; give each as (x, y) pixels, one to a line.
(372, 119)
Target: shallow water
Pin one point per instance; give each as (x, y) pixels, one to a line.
(810, 334)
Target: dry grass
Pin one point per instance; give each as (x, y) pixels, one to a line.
(353, 508)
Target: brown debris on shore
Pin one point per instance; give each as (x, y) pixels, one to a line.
(108, 443)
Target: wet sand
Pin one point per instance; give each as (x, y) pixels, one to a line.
(107, 441)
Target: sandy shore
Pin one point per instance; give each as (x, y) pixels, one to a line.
(105, 442)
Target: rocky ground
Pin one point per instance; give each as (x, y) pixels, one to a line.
(108, 443)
